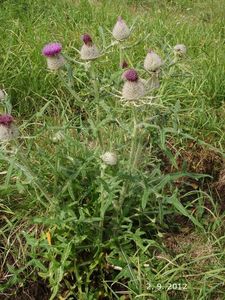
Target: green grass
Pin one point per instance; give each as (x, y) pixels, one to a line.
(152, 226)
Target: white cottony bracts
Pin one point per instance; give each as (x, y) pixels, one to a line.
(134, 87)
(180, 50)
(109, 158)
(152, 62)
(120, 31)
(55, 62)
(88, 51)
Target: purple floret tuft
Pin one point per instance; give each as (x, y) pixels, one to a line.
(131, 75)
(87, 39)
(120, 19)
(51, 49)
(6, 120)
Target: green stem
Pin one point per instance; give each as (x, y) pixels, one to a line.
(70, 75)
(135, 149)
(94, 81)
(97, 99)
(121, 53)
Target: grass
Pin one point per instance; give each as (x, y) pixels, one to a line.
(152, 227)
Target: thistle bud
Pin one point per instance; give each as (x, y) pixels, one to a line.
(89, 50)
(52, 52)
(134, 87)
(180, 50)
(120, 31)
(123, 64)
(152, 62)
(109, 158)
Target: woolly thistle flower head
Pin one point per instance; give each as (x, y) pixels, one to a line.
(120, 31)
(180, 50)
(52, 49)
(109, 158)
(8, 130)
(133, 88)
(6, 120)
(130, 75)
(86, 38)
(152, 62)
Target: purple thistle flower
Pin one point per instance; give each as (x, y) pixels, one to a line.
(131, 75)
(6, 120)
(86, 38)
(52, 49)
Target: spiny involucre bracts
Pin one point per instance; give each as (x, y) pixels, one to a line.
(89, 50)
(152, 62)
(109, 158)
(120, 31)
(52, 52)
(134, 87)
(8, 130)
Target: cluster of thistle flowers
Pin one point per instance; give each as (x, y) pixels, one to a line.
(134, 87)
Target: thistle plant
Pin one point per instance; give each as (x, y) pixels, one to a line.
(100, 176)
(110, 198)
